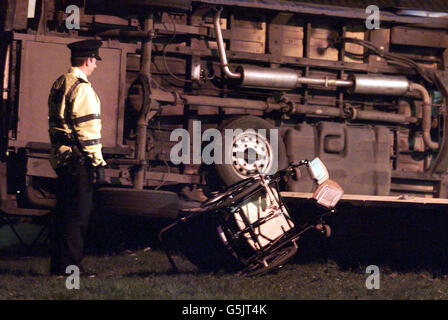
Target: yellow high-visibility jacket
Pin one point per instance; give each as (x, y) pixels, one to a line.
(75, 109)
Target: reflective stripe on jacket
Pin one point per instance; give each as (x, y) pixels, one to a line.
(74, 110)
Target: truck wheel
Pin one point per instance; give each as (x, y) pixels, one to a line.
(250, 151)
(149, 203)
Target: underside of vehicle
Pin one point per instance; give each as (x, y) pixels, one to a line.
(369, 102)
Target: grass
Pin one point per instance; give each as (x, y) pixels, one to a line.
(408, 247)
(147, 274)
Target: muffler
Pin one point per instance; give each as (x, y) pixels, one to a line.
(286, 79)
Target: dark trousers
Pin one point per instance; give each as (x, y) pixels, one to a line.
(71, 216)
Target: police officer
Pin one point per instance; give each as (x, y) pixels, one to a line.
(75, 134)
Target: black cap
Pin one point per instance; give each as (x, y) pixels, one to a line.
(85, 49)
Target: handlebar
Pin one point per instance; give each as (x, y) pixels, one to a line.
(300, 163)
(288, 171)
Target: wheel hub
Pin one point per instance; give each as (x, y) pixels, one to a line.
(251, 154)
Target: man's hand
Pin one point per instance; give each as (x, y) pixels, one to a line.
(100, 175)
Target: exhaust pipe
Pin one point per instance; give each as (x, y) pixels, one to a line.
(256, 77)
(426, 114)
(222, 49)
(379, 84)
(265, 78)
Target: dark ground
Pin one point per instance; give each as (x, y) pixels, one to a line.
(408, 246)
(403, 239)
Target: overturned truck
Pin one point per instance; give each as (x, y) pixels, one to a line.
(369, 101)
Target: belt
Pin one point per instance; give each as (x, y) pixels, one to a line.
(63, 138)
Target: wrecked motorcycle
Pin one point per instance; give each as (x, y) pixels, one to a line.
(248, 228)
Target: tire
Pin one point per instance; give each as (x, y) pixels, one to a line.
(275, 261)
(269, 159)
(149, 203)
